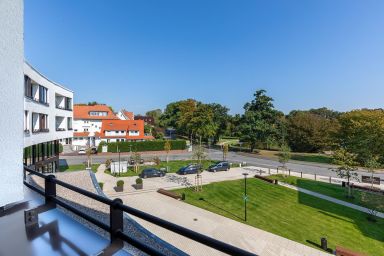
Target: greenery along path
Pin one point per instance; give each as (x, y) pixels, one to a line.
(293, 215)
(335, 191)
(77, 167)
(173, 166)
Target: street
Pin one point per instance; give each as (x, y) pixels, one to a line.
(305, 167)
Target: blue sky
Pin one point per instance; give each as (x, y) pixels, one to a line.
(143, 54)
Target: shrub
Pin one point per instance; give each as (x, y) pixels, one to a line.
(60, 148)
(150, 145)
(101, 185)
(183, 196)
(139, 181)
(108, 164)
(120, 183)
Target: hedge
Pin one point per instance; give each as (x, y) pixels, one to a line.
(151, 145)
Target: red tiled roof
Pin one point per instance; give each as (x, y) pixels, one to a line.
(128, 114)
(82, 112)
(124, 125)
(80, 134)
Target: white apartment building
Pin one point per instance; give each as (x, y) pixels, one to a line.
(48, 118)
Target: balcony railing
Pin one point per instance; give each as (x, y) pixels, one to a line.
(60, 129)
(40, 130)
(117, 208)
(37, 100)
(63, 108)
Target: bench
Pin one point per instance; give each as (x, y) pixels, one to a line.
(340, 251)
(266, 179)
(169, 193)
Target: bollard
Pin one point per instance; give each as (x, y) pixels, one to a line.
(315, 176)
(269, 170)
(330, 179)
(301, 174)
(277, 170)
(324, 243)
(289, 172)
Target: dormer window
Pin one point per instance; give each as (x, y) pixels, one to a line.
(98, 113)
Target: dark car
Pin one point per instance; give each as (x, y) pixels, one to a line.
(189, 169)
(151, 172)
(220, 166)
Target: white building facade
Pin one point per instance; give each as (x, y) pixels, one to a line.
(48, 118)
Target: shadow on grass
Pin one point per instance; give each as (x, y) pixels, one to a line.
(222, 209)
(355, 217)
(335, 216)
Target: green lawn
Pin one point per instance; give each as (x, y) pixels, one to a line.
(332, 190)
(174, 166)
(77, 167)
(291, 214)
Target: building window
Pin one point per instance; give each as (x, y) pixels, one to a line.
(85, 129)
(69, 123)
(43, 95)
(43, 121)
(28, 87)
(98, 113)
(26, 120)
(68, 103)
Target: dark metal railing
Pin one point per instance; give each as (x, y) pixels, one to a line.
(117, 208)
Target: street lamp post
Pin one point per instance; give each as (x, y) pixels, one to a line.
(245, 196)
(118, 150)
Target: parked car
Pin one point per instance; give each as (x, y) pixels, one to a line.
(189, 169)
(81, 151)
(151, 172)
(220, 166)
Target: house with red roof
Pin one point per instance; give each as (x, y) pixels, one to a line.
(87, 124)
(125, 115)
(123, 130)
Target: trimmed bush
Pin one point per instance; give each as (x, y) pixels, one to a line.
(139, 146)
(139, 181)
(120, 183)
(101, 185)
(61, 148)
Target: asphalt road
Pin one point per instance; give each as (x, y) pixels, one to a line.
(309, 168)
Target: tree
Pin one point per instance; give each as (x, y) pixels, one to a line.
(369, 200)
(284, 155)
(225, 151)
(312, 131)
(199, 154)
(156, 115)
(202, 123)
(167, 148)
(362, 133)
(221, 119)
(259, 123)
(371, 164)
(136, 157)
(147, 129)
(89, 154)
(347, 167)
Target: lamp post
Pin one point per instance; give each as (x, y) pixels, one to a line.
(118, 150)
(245, 196)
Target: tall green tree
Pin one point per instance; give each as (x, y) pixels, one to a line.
(312, 131)
(259, 123)
(202, 123)
(362, 133)
(155, 114)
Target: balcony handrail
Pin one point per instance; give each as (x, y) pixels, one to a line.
(116, 223)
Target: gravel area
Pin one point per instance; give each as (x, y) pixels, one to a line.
(100, 211)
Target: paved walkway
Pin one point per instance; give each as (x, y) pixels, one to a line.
(331, 199)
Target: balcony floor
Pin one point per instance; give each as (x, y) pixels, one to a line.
(70, 238)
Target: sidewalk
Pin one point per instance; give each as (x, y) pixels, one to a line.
(331, 199)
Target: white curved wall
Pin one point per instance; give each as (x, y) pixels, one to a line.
(11, 101)
(52, 111)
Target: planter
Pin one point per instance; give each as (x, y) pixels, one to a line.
(139, 186)
(119, 188)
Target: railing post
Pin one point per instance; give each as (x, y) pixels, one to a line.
(301, 174)
(50, 190)
(116, 220)
(289, 172)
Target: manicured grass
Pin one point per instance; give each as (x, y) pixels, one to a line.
(173, 166)
(333, 190)
(288, 213)
(77, 167)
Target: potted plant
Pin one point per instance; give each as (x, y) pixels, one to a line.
(119, 186)
(139, 183)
